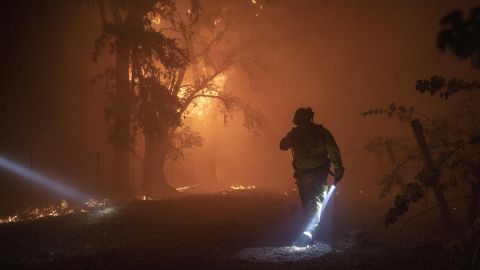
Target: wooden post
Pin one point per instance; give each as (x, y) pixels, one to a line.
(393, 160)
(31, 157)
(428, 163)
(99, 186)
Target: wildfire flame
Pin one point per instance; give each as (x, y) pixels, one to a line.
(202, 105)
(156, 20)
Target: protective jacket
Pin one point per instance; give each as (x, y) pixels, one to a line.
(312, 146)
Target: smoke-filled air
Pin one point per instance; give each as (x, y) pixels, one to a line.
(240, 134)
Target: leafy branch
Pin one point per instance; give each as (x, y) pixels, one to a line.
(446, 88)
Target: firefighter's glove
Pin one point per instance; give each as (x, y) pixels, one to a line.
(338, 175)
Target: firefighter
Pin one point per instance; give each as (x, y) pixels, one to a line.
(314, 150)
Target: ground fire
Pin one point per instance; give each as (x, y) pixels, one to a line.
(61, 209)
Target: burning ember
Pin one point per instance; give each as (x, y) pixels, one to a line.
(241, 187)
(61, 209)
(146, 197)
(186, 188)
(96, 203)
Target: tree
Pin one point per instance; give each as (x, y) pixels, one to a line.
(135, 45)
(453, 141)
(453, 145)
(161, 117)
(461, 36)
(166, 60)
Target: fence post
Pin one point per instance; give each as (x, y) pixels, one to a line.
(433, 178)
(99, 184)
(31, 157)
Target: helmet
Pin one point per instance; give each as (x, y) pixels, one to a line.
(303, 116)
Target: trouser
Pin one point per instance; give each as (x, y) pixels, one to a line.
(312, 188)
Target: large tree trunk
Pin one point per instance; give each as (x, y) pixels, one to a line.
(154, 181)
(119, 186)
(475, 201)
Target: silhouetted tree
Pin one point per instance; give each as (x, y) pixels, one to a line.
(166, 60)
(204, 37)
(461, 36)
(453, 142)
(126, 34)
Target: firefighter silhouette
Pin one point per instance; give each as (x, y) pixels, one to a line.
(314, 150)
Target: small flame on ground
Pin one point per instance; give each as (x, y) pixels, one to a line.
(96, 203)
(241, 187)
(9, 219)
(145, 197)
(61, 209)
(186, 188)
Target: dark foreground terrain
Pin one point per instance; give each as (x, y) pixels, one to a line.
(207, 231)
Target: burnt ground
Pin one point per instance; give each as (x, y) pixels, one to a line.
(207, 231)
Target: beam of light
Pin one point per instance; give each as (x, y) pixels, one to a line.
(329, 195)
(291, 253)
(42, 180)
(313, 223)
